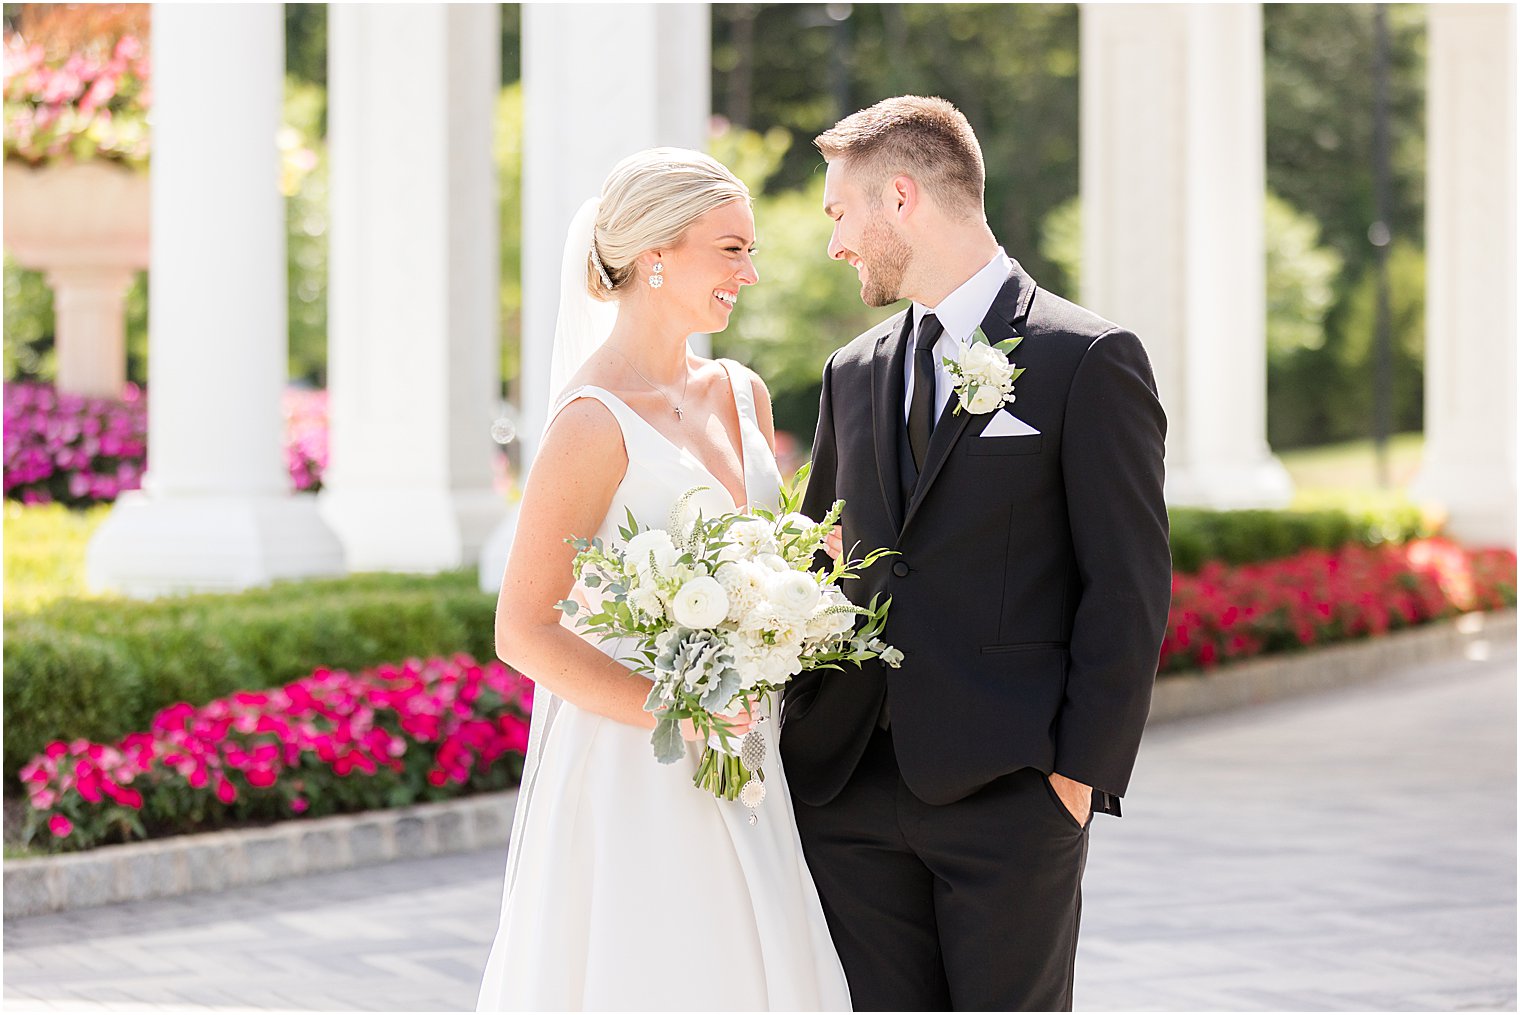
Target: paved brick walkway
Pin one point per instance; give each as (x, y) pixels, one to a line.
(1350, 851)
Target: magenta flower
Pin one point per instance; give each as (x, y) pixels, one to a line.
(292, 746)
(80, 451)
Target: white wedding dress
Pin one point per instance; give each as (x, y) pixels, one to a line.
(627, 887)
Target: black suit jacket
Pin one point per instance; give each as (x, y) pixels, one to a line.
(1031, 593)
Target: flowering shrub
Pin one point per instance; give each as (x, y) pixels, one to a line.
(71, 449)
(86, 102)
(74, 450)
(306, 437)
(327, 743)
(1224, 613)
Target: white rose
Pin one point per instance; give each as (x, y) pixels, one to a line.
(793, 594)
(652, 544)
(796, 520)
(773, 562)
(986, 399)
(700, 603)
(981, 360)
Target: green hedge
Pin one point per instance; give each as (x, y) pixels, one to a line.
(1246, 537)
(99, 668)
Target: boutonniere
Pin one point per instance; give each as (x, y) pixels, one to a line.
(984, 375)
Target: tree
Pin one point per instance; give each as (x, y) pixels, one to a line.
(1011, 68)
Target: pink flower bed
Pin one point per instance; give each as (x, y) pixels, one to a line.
(72, 449)
(80, 451)
(1224, 613)
(331, 742)
(90, 104)
(305, 437)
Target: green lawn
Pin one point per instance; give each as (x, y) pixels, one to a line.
(44, 552)
(1353, 466)
(45, 544)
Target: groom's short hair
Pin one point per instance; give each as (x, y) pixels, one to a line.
(926, 139)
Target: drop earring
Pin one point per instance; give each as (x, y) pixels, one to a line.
(657, 275)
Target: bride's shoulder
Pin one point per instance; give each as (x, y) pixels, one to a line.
(584, 425)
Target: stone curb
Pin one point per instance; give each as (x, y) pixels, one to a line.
(214, 861)
(1256, 681)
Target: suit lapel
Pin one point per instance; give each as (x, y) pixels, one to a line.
(887, 411)
(1004, 319)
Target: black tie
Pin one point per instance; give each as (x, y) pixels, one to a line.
(921, 407)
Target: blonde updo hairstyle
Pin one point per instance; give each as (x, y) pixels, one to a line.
(649, 201)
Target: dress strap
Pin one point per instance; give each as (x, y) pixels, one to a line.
(744, 394)
(615, 405)
(758, 460)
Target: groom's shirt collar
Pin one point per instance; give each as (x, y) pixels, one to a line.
(961, 312)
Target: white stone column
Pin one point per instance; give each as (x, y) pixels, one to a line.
(1173, 183)
(600, 81)
(215, 511)
(1469, 464)
(413, 287)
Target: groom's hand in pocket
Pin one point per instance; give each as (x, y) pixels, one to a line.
(1075, 795)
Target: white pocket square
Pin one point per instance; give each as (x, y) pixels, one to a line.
(1006, 424)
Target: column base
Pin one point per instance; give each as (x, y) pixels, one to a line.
(1480, 506)
(498, 548)
(1231, 487)
(151, 546)
(411, 530)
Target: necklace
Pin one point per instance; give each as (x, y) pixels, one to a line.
(675, 406)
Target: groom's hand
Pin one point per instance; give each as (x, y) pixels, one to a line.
(833, 543)
(1076, 796)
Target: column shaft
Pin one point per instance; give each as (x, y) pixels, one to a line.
(413, 289)
(1173, 185)
(1470, 271)
(215, 511)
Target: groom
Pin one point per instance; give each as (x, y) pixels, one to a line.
(944, 806)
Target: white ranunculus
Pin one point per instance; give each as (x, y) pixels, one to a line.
(773, 562)
(793, 594)
(652, 545)
(700, 603)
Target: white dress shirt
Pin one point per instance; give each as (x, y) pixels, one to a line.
(960, 314)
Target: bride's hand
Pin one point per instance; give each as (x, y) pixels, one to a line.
(833, 543)
(739, 722)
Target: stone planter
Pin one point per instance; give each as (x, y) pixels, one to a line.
(85, 225)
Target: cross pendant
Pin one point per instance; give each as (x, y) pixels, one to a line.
(680, 416)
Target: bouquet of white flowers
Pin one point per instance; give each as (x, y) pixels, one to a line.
(723, 611)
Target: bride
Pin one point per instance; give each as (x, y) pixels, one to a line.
(626, 886)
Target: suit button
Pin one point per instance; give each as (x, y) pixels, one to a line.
(900, 569)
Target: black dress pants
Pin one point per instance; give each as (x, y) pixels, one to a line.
(970, 906)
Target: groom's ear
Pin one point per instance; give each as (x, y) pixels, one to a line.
(902, 196)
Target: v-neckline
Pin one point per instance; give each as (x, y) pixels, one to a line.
(743, 458)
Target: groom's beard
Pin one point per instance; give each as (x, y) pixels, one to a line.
(886, 257)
